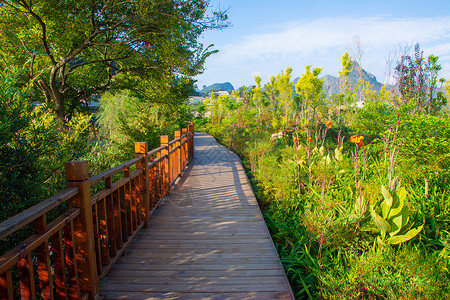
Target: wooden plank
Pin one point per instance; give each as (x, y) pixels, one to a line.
(142, 295)
(192, 273)
(186, 261)
(195, 280)
(224, 288)
(164, 266)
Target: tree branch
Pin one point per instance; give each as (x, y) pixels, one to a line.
(43, 29)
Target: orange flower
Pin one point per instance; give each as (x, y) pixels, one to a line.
(310, 139)
(328, 124)
(258, 131)
(357, 139)
(295, 140)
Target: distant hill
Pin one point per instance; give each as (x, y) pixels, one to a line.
(226, 86)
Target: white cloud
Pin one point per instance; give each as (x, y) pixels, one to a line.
(322, 42)
(323, 35)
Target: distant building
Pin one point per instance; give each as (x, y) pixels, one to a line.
(194, 100)
(221, 93)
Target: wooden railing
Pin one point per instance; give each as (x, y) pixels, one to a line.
(70, 255)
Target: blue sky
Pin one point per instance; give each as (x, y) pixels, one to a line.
(268, 36)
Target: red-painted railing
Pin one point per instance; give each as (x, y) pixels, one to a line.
(70, 255)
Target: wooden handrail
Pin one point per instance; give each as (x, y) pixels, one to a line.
(76, 250)
(27, 216)
(108, 173)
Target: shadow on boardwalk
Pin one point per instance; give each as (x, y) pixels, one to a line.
(207, 240)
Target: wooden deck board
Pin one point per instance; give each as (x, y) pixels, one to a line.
(207, 240)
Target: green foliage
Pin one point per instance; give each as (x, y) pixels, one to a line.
(74, 49)
(33, 148)
(322, 198)
(393, 221)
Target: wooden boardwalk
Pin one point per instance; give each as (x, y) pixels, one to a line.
(207, 240)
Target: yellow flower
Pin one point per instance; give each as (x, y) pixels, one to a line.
(328, 124)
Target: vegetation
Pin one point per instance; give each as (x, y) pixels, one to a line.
(135, 57)
(356, 199)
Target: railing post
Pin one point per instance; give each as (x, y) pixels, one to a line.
(140, 150)
(165, 151)
(77, 175)
(185, 147)
(178, 144)
(191, 141)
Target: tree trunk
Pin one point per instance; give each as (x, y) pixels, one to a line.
(52, 93)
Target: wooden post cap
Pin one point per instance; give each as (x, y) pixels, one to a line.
(140, 147)
(164, 140)
(77, 170)
(177, 134)
(184, 130)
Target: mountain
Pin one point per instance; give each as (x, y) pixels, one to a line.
(331, 83)
(226, 86)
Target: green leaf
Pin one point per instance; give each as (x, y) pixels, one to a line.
(384, 209)
(404, 238)
(396, 224)
(380, 222)
(398, 203)
(338, 155)
(387, 196)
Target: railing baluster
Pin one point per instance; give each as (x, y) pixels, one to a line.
(59, 266)
(103, 231)
(140, 150)
(71, 261)
(6, 289)
(129, 203)
(26, 278)
(98, 252)
(43, 258)
(123, 214)
(117, 220)
(77, 174)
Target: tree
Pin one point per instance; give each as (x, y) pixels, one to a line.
(309, 88)
(284, 86)
(258, 96)
(417, 82)
(75, 49)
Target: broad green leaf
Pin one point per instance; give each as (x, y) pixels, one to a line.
(384, 209)
(404, 238)
(387, 196)
(396, 224)
(380, 242)
(322, 150)
(380, 222)
(398, 203)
